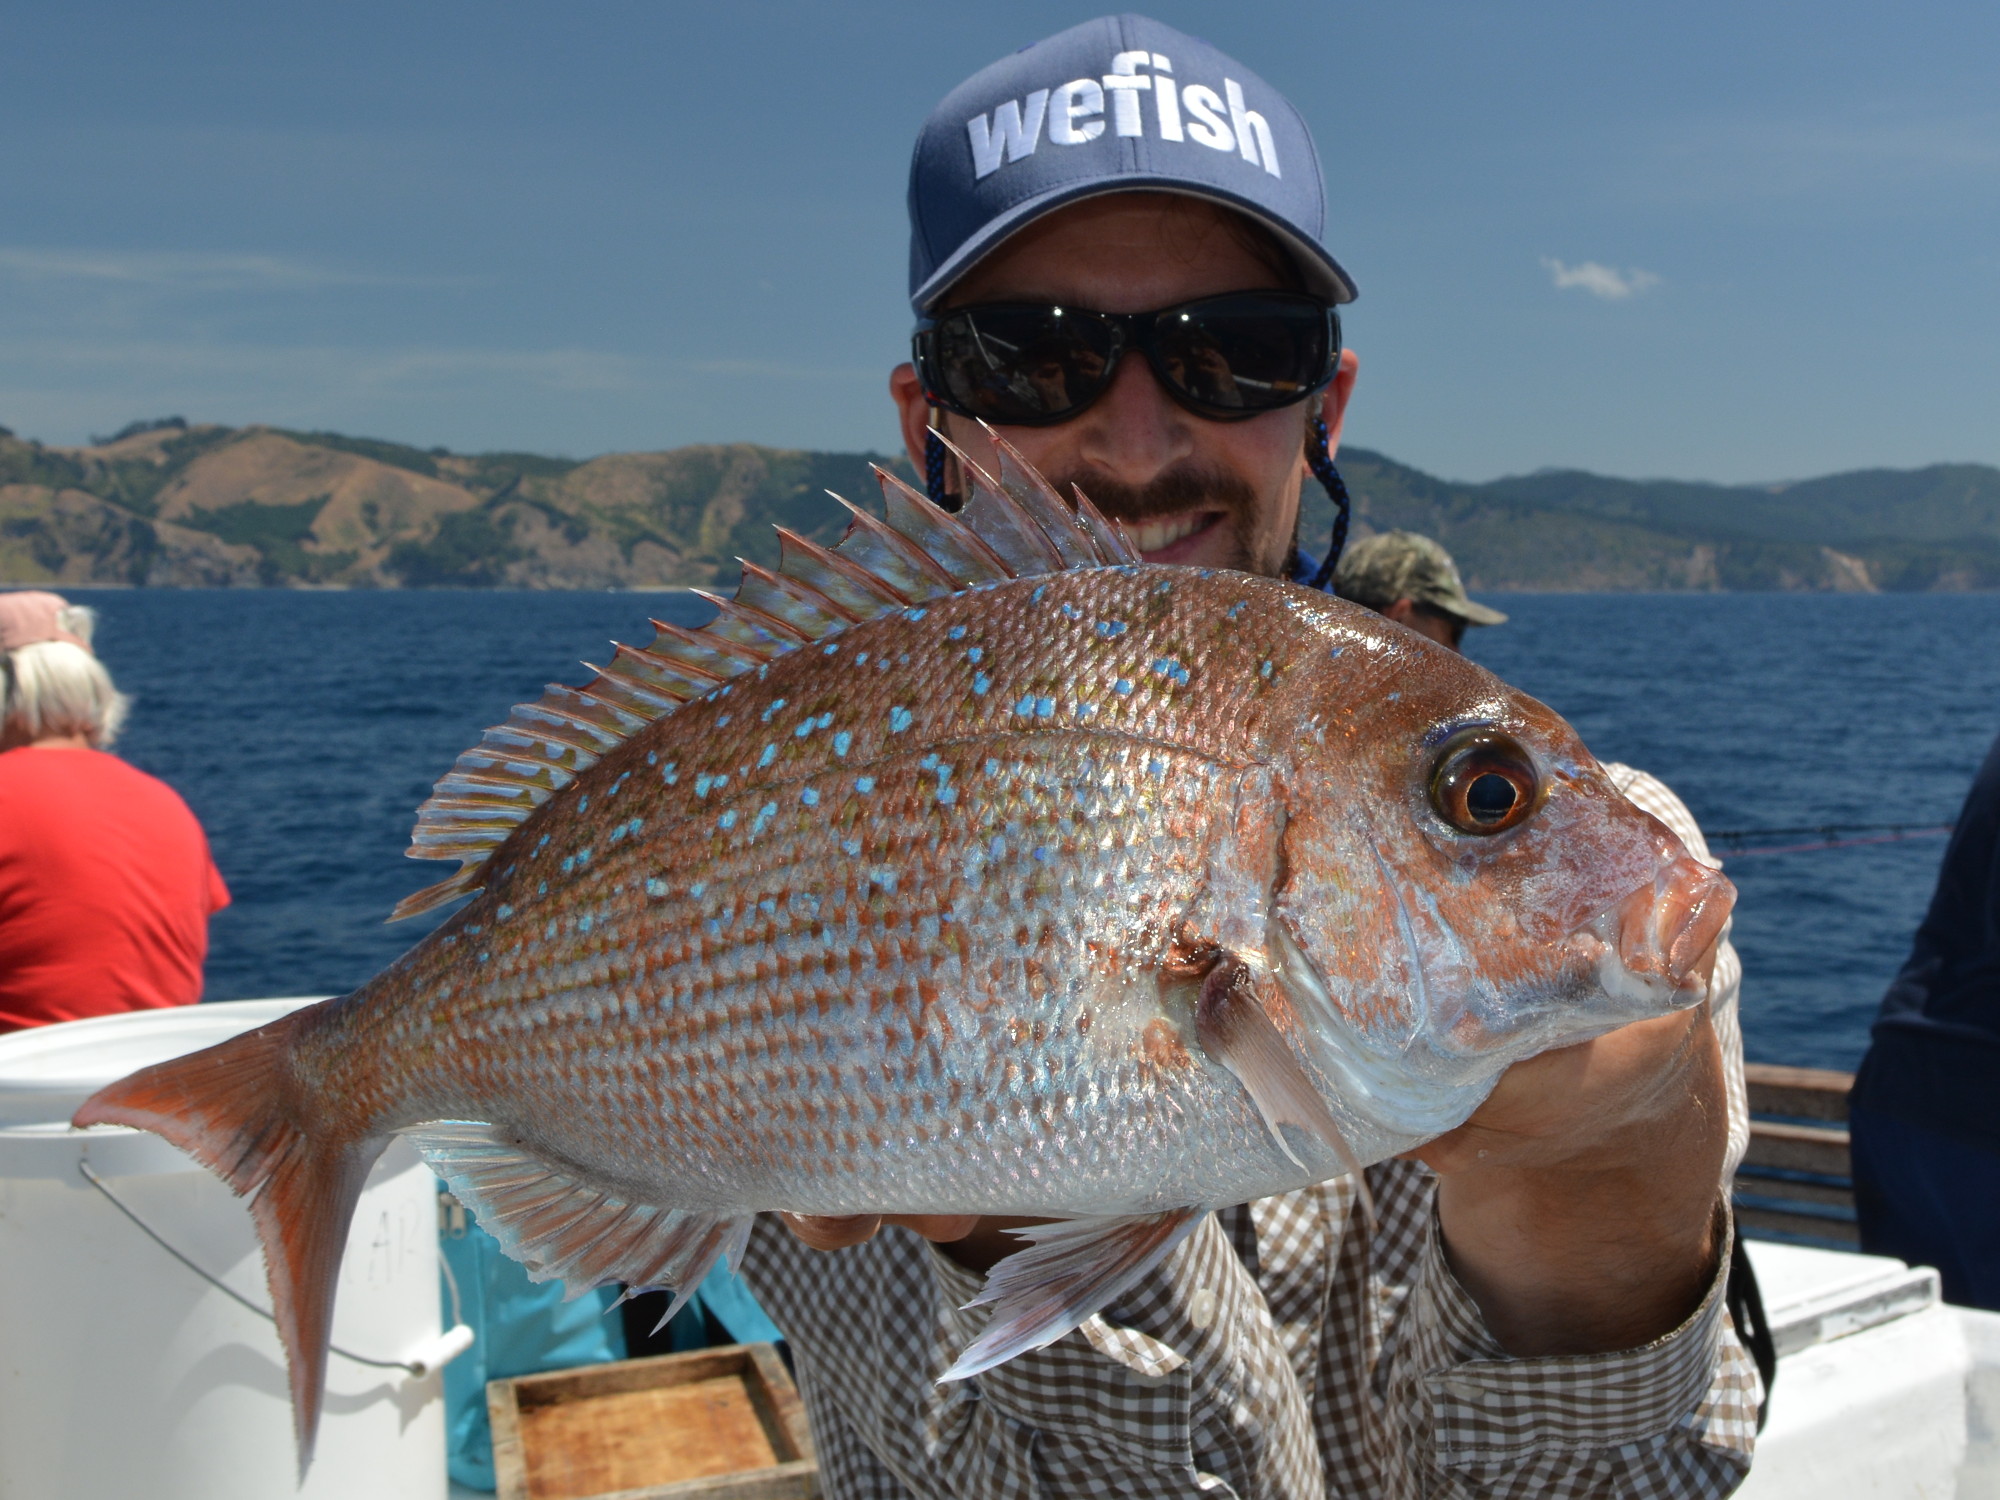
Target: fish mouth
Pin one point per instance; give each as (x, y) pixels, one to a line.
(1647, 948)
(1174, 538)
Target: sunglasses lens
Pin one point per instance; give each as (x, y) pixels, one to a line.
(1022, 365)
(1245, 353)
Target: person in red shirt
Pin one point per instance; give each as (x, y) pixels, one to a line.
(106, 882)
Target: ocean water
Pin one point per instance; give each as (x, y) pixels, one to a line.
(304, 729)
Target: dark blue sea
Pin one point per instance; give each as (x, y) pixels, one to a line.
(304, 729)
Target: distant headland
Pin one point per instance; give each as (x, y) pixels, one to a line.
(174, 504)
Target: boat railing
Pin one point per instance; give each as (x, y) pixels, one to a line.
(1797, 1179)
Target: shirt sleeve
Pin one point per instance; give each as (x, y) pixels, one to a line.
(1670, 1420)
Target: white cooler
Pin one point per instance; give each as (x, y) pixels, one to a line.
(122, 1372)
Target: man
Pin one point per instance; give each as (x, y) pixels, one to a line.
(1926, 1128)
(106, 883)
(1115, 258)
(1413, 581)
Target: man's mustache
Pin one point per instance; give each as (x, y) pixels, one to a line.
(1178, 489)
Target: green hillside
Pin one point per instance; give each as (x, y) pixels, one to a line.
(169, 503)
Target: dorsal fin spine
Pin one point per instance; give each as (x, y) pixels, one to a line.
(988, 501)
(806, 551)
(1011, 527)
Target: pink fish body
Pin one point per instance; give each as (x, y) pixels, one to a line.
(969, 869)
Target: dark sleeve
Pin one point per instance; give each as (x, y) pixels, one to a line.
(1951, 981)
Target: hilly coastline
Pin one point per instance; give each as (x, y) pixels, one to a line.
(178, 505)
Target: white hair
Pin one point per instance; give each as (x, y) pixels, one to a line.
(57, 687)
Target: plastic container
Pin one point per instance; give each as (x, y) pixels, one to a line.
(122, 1373)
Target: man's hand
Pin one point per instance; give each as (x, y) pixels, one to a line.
(978, 1244)
(1579, 1201)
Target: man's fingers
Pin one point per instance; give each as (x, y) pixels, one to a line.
(838, 1231)
(943, 1228)
(833, 1231)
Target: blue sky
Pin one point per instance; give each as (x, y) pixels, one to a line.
(1741, 241)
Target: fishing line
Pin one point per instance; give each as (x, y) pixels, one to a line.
(1876, 833)
(416, 1368)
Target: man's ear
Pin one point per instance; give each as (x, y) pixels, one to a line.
(912, 411)
(1333, 400)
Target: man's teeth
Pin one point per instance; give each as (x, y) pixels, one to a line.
(1151, 536)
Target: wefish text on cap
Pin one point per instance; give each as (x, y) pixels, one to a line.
(1119, 104)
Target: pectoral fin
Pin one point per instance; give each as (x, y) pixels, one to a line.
(558, 1226)
(1073, 1269)
(1237, 1032)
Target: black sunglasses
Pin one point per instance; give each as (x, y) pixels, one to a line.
(1025, 364)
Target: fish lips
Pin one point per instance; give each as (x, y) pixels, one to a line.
(1647, 948)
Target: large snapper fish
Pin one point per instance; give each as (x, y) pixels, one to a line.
(969, 867)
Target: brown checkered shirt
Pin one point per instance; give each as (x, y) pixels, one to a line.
(1282, 1352)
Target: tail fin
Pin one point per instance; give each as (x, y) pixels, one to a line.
(236, 1109)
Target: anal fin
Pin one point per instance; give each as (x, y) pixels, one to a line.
(1071, 1270)
(558, 1226)
(1236, 1031)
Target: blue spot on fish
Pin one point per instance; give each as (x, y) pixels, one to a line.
(860, 657)
(1337, 652)
(541, 843)
(1026, 705)
(1156, 767)
(956, 633)
(763, 819)
(1123, 687)
(584, 924)
(776, 704)
(583, 804)
(947, 794)
(1235, 609)
(770, 754)
(1111, 629)
(900, 718)
(723, 720)
(831, 647)
(809, 796)
(1036, 597)
(851, 848)
(1070, 612)
(980, 683)
(1084, 711)
(652, 757)
(669, 773)
(727, 820)
(915, 613)
(864, 784)
(1045, 708)
(568, 864)
(992, 766)
(1166, 666)
(1264, 671)
(841, 741)
(542, 888)
(655, 887)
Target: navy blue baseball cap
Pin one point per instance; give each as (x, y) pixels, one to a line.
(1118, 104)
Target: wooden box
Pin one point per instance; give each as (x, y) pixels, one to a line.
(714, 1424)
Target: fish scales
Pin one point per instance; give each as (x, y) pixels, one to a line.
(854, 977)
(1105, 895)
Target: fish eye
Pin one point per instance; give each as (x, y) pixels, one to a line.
(1484, 782)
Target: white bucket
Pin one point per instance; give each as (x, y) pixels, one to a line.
(122, 1373)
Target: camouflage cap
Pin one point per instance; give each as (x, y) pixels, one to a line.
(1379, 570)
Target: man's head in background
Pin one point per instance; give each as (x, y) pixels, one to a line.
(53, 689)
(1124, 168)
(1413, 581)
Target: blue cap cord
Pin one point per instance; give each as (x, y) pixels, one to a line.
(934, 472)
(1319, 454)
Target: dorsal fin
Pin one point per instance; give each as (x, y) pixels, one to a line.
(1010, 527)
